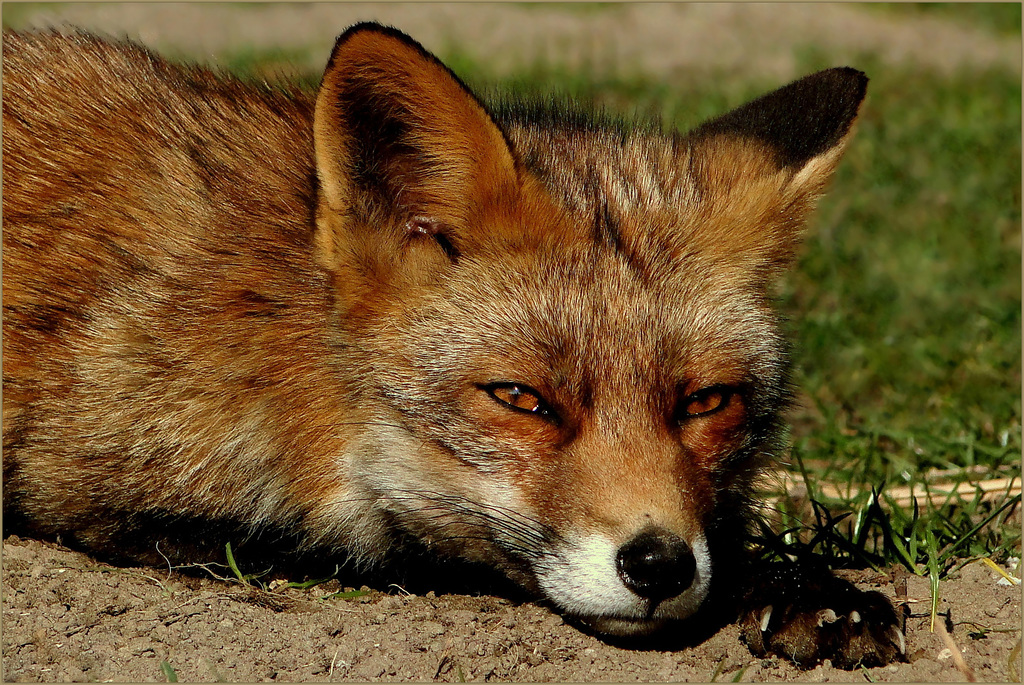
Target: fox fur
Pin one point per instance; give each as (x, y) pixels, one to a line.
(387, 311)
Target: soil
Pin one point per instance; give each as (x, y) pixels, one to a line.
(68, 617)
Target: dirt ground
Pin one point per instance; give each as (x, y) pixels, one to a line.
(67, 617)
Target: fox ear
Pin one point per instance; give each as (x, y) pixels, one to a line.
(759, 169)
(396, 132)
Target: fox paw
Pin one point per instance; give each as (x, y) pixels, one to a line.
(810, 618)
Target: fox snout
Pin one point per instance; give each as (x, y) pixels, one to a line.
(632, 587)
(657, 564)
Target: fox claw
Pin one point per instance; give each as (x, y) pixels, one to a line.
(766, 617)
(811, 619)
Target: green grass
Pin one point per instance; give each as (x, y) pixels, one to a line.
(274, 65)
(168, 672)
(998, 17)
(905, 309)
(15, 13)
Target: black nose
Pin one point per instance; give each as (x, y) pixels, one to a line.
(656, 564)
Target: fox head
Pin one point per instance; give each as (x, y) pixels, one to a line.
(567, 358)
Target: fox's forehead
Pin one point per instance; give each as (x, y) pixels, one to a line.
(591, 170)
(569, 312)
(615, 283)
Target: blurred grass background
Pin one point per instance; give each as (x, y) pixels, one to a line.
(905, 306)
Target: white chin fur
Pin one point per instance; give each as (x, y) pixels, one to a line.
(624, 627)
(580, 576)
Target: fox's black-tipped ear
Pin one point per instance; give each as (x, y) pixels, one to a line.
(395, 131)
(797, 122)
(758, 170)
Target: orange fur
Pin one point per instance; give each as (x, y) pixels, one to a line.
(257, 312)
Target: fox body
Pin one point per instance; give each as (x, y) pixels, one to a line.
(384, 311)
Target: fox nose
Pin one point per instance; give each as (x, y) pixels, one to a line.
(656, 564)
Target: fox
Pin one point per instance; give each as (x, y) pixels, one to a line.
(383, 312)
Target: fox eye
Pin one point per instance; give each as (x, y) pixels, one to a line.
(704, 402)
(521, 398)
